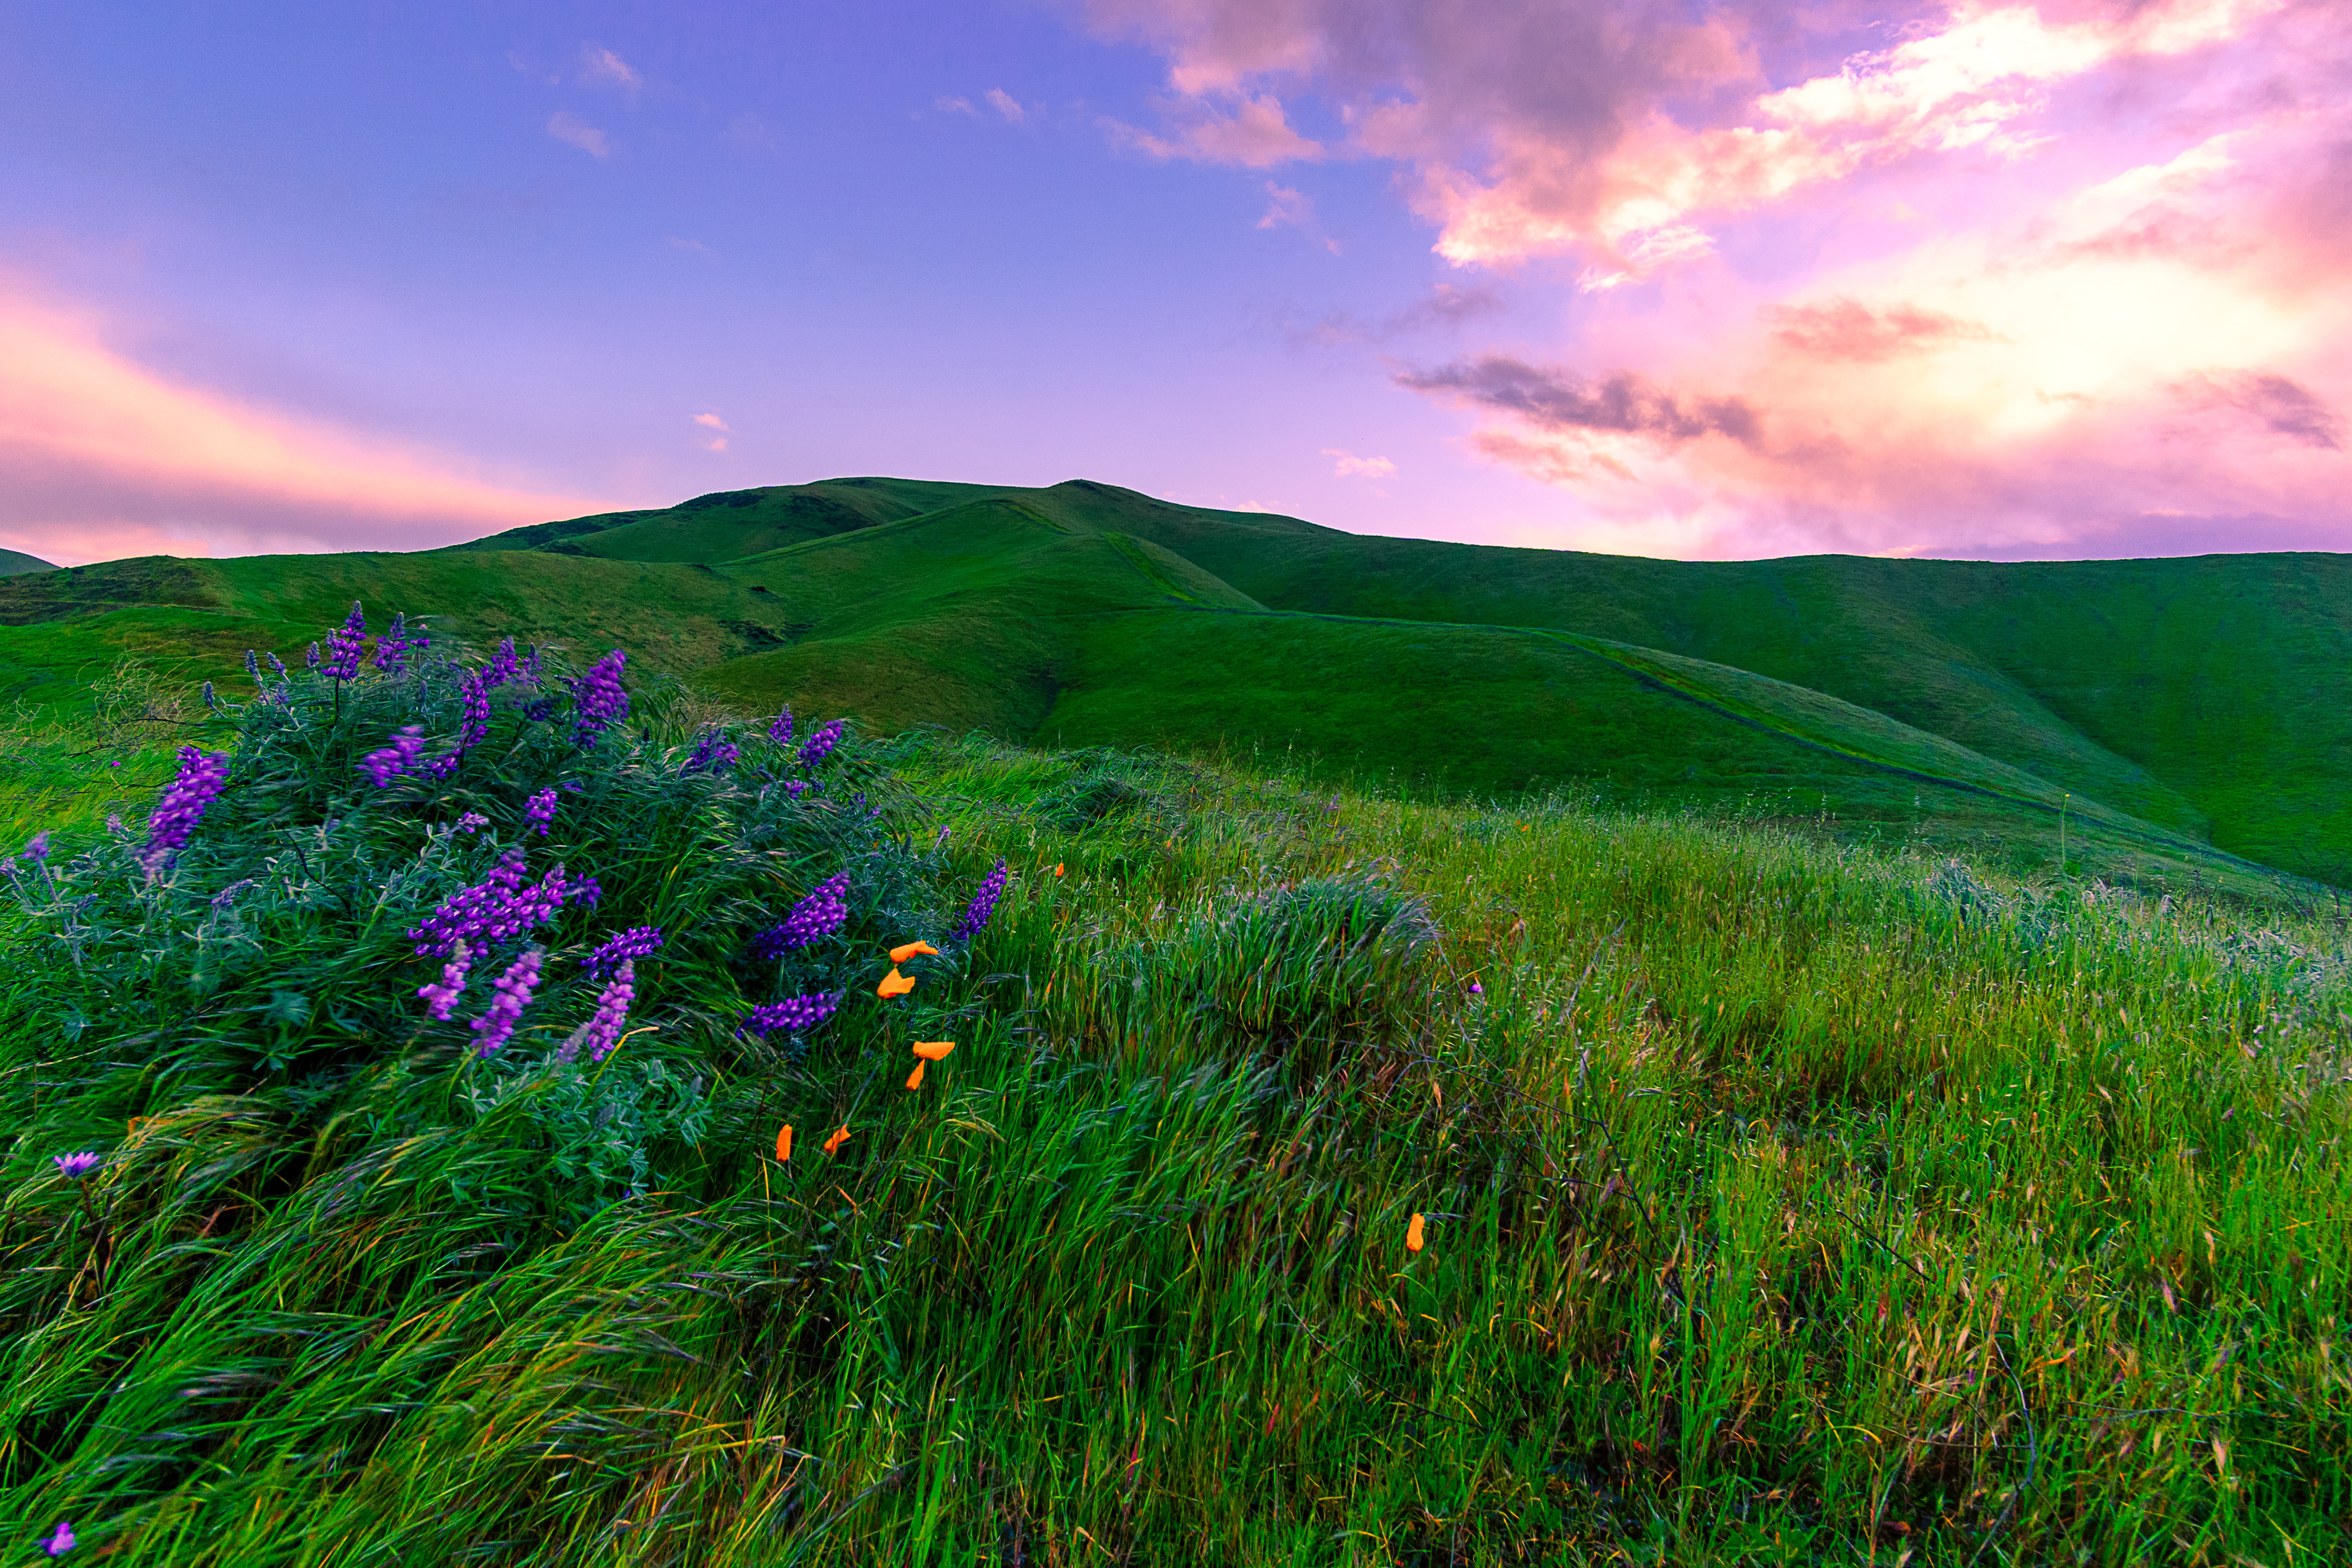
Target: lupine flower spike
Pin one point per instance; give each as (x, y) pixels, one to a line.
(838, 1139)
(900, 955)
(60, 1543)
(601, 1032)
(541, 811)
(817, 916)
(37, 847)
(200, 778)
(983, 903)
(894, 984)
(781, 729)
(440, 999)
(514, 988)
(1413, 1235)
(345, 644)
(795, 1013)
(784, 1146)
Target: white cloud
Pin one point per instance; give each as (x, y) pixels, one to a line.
(712, 422)
(1286, 206)
(1256, 135)
(1007, 105)
(572, 132)
(1350, 466)
(953, 106)
(605, 68)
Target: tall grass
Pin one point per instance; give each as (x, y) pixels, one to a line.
(1782, 1203)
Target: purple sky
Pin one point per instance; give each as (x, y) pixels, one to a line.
(1699, 280)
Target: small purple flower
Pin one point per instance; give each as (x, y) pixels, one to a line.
(601, 1032)
(794, 1013)
(497, 909)
(781, 731)
(1477, 989)
(502, 668)
(201, 776)
(637, 941)
(115, 818)
(37, 847)
(228, 895)
(713, 751)
(540, 712)
(471, 729)
(983, 903)
(472, 821)
(439, 1000)
(400, 757)
(821, 745)
(345, 644)
(76, 1165)
(60, 1543)
(941, 842)
(587, 892)
(794, 787)
(540, 810)
(391, 648)
(514, 988)
(598, 701)
(314, 656)
(278, 665)
(816, 916)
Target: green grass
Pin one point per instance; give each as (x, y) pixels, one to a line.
(1785, 1202)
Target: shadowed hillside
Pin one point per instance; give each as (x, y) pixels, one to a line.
(15, 560)
(2167, 710)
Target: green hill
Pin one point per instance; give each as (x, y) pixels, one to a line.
(2186, 718)
(12, 562)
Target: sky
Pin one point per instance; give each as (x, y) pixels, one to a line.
(1700, 280)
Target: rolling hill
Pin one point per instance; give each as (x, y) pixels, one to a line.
(15, 560)
(2185, 718)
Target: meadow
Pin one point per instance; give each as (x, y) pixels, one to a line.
(1317, 1174)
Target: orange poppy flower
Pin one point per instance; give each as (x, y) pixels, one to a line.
(894, 983)
(1413, 1235)
(932, 1050)
(784, 1144)
(915, 1078)
(1057, 867)
(838, 1139)
(900, 955)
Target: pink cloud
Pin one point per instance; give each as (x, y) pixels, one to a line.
(100, 459)
(1255, 134)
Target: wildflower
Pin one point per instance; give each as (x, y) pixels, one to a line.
(838, 1139)
(472, 728)
(635, 943)
(382, 767)
(915, 1078)
(598, 700)
(60, 1543)
(894, 983)
(345, 644)
(228, 895)
(784, 1146)
(601, 1032)
(814, 917)
(819, 744)
(212, 702)
(502, 668)
(713, 751)
(314, 656)
(37, 847)
(540, 810)
(587, 891)
(1413, 1235)
(278, 666)
(1057, 867)
(540, 712)
(252, 668)
(200, 778)
(1477, 989)
(497, 909)
(514, 988)
(933, 1050)
(900, 955)
(781, 731)
(441, 999)
(392, 648)
(76, 1165)
(472, 821)
(795, 1013)
(983, 903)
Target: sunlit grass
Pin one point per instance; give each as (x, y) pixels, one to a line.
(1783, 1204)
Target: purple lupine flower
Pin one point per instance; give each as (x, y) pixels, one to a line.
(502, 668)
(780, 730)
(598, 700)
(818, 915)
(212, 700)
(637, 941)
(396, 759)
(794, 787)
(819, 744)
(114, 821)
(471, 729)
(314, 656)
(587, 891)
(200, 778)
(60, 1543)
(527, 671)
(540, 810)
(513, 988)
(540, 712)
(345, 644)
(76, 1165)
(278, 665)
(228, 895)
(601, 1032)
(983, 903)
(252, 668)
(391, 648)
(439, 1000)
(1477, 989)
(37, 847)
(940, 843)
(794, 1013)
(713, 751)
(472, 821)
(500, 906)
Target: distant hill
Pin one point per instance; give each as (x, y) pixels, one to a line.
(15, 560)
(2191, 713)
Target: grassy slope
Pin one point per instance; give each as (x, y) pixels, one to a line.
(15, 560)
